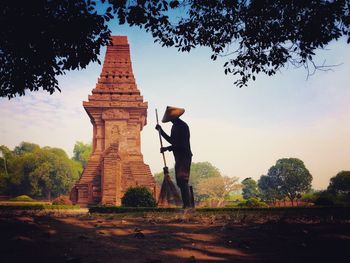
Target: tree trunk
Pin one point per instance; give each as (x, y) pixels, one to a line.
(220, 202)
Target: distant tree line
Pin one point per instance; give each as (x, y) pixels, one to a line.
(208, 183)
(289, 179)
(36, 171)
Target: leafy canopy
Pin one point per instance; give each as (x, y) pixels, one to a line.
(138, 197)
(340, 183)
(256, 36)
(82, 152)
(40, 40)
(199, 171)
(35, 171)
(290, 178)
(207, 182)
(249, 188)
(217, 188)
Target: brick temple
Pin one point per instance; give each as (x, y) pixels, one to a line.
(118, 114)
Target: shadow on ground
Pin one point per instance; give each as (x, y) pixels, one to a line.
(99, 239)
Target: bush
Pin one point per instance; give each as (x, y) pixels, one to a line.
(324, 201)
(138, 197)
(253, 203)
(310, 197)
(62, 200)
(327, 198)
(22, 198)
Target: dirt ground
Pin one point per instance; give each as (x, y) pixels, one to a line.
(88, 239)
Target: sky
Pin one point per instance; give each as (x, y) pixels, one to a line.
(241, 131)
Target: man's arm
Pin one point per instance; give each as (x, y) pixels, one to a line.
(164, 135)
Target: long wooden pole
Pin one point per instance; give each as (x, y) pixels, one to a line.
(160, 139)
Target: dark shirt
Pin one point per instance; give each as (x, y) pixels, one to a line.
(180, 140)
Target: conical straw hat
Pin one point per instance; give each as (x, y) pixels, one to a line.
(171, 113)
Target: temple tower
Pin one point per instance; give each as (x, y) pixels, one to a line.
(118, 114)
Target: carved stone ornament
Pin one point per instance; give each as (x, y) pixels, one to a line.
(115, 114)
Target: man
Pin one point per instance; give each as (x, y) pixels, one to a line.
(180, 146)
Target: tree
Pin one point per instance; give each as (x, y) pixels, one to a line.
(26, 147)
(5, 153)
(290, 178)
(82, 152)
(257, 36)
(249, 188)
(35, 171)
(268, 189)
(340, 184)
(54, 173)
(199, 172)
(217, 188)
(40, 40)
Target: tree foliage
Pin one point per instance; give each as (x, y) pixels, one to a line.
(138, 197)
(268, 189)
(40, 40)
(288, 178)
(256, 36)
(217, 188)
(82, 152)
(340, 184)
(42, 172)
(249, 188)
(199, 171)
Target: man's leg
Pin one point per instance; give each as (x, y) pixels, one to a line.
(182, 172)
(185, 194)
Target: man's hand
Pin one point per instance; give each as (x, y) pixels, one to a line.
(158, 127)
(163, 149)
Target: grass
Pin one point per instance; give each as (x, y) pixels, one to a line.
(8, 205)
(317, 214)
(22, 198)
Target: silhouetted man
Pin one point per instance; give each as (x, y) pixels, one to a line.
(180, 146)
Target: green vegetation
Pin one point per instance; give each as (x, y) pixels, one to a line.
(217, 188)
(207, 182)
(34, 206)
(340, 184)
(269, 35)
(288, 178)
(250, 188)
(82, 152)
(22, 198)
(62, 200)
(199, 172)
(253, 203)
(138, 197)
(39, 172)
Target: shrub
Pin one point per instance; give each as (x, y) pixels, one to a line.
(22, 198)
(138, 197)
(328, 198)
(62, 200)
(253, 203)
(324, 200)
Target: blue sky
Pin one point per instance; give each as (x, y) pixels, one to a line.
(241, 131)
